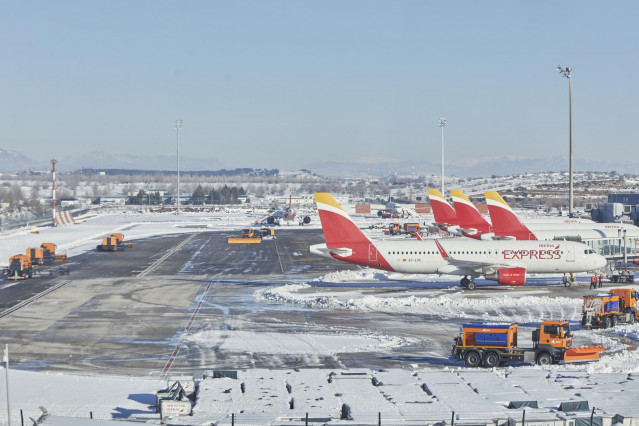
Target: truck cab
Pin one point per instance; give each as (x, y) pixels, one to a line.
(628, 298)
(552, 336)
(248, 233)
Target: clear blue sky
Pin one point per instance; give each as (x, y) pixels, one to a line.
(269, 83)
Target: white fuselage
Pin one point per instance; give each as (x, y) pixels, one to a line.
(480, 257)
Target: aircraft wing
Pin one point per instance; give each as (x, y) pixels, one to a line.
(483, 267)
(477, 266)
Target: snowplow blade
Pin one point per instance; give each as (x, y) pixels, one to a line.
(585, 353)
(244, 240)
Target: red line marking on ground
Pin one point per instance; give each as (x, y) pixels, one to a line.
(176, 351)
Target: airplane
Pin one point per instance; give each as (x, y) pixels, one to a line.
(506, 223)
(391, 210)
(505, 261)
(288, 214)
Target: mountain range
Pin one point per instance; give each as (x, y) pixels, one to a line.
(12, 161)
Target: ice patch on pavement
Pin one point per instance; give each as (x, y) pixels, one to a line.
(285, 343)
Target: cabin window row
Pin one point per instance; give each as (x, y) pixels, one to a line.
(452, 252)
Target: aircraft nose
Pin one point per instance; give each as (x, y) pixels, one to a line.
(601, 262)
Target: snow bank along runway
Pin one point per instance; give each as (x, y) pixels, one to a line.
(187, 302)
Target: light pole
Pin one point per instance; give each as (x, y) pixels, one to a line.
(566, 73)
(5, 358)
(178, 124)
(442, 124)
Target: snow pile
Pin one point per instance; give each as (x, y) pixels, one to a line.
(367, 274)
(499, 308)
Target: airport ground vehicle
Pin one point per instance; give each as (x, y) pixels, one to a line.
(36, 255)
(622, 276)
(489, 345)
(44, 255)
(120, 239)
(50, 256)
(114, 242)
(606, 310)
(20, 267)
(407, 228)
(253, 235)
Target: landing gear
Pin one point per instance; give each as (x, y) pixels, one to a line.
(569, 279)
(467, 283)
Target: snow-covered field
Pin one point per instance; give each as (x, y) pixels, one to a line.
(433, 296)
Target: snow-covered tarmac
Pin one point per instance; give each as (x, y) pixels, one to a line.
(412, 395)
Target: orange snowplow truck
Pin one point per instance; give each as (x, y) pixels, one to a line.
(20, 267)
(606, 310)
(50, 255)
(120, 238)
(490, 345)
(35, 255)
(114, 242)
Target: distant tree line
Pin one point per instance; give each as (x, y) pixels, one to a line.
(142, 197)
(206, 173)
(225, 195)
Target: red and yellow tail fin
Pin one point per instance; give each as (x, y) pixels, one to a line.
(443, 212)
(344, 240)
(505, 221)
(467, 214)
(338, 227)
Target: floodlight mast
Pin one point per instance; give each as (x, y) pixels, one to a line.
(565, 72)
(442, 124)
(178, 124)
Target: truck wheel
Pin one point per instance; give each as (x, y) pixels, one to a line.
(472, 359)
(464, 282)
(613, 321)
(471, 285)
(491, 359)
(544, 358)
(606, 322)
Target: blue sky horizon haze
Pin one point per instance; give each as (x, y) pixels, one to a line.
(286, 83)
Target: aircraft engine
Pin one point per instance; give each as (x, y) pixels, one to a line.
(508, 276)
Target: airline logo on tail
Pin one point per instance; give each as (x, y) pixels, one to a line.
(471, 222)
(442, 211)
(505, 221)
(343, 237)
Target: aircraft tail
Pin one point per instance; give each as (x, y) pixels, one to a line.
(344, 240)
(505, 221)
(467, 213)
(443, 212)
